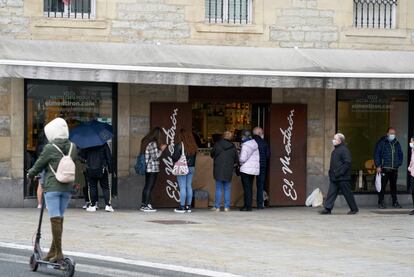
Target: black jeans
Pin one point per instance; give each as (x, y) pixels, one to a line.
(150, 179)
(93, 189)
(247, 182)
(85, 189)
(260, 181)
(334, 188)
(388, 175)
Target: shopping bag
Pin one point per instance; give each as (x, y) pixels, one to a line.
(378, 182)
(181, 166)
(318, 201)
(315, 199)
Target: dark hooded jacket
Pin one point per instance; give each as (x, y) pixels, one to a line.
(225, 157)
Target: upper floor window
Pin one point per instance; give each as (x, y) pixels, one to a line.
(82, 9)
(229, 11)
(377, 14)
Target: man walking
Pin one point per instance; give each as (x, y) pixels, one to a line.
(388, 158)
(340, 176)
(264, 152)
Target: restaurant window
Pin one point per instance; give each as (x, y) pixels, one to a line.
(76, 102)
(375, 14)
(210, 120)
(229, 11)
(77, 9)
(364, 117)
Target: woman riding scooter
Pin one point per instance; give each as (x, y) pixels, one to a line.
(57, 195)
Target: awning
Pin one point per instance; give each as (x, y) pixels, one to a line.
(206, 65)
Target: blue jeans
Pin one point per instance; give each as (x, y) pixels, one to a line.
(186, 190)
(57, 202)
(227, 189)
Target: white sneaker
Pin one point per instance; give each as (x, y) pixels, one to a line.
(148, 209)
(214, 209)
(91, 209)
(109, 209)
(39, 206)
(87, 204)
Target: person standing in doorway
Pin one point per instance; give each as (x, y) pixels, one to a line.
(152, 148)
(388, 158)
(57, 195)
(340, 176)
(264, 152)
(250, 167)
(411, 170)
(225, 157)
(185, 139)
(98, 167)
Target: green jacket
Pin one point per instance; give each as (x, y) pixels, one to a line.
(50, 155)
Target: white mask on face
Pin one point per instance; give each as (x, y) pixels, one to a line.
(412, 144)
(334, 142)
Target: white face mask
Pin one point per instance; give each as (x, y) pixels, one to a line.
(412, 144)
(334, 142)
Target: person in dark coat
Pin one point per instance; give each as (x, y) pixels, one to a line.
(225, 158)
(264, 152)
(340, 176)
(98, 167)
(388, 158)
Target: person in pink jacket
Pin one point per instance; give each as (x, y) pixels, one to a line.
(250, 167)
(411, 169)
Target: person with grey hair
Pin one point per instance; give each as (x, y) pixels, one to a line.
(264, 152)
(249, 167)
(340, 176)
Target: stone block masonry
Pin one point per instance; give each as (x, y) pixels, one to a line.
(145, 21)
(304, 25)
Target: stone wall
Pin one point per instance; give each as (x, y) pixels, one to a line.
(304, 25)
(282, 23)
(150, 21)
(13, 22)
(5, 133)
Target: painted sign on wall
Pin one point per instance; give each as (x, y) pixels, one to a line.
(288, 137)
(171, 117)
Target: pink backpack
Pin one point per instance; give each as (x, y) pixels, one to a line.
(65, 172)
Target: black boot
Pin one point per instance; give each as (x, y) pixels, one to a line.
(325, 211)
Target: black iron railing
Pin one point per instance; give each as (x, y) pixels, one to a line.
(69, 8)
(229, 11)
(378, 14)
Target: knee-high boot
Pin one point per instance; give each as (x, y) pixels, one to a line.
(57, 230)
(52, 250)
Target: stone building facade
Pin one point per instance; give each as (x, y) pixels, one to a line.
(314, 24)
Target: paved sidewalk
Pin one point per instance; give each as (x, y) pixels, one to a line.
(271, 242)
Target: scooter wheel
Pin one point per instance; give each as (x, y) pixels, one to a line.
(69, 270)
(33, 263)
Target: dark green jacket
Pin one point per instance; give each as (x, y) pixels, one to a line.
(50, 155)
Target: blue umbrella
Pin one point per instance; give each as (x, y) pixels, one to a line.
(91, 133)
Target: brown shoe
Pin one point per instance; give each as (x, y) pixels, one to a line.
(57, 229)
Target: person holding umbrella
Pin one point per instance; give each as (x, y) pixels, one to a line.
(92, 138)
(98, 167)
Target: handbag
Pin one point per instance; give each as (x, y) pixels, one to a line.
(140, 165)
(181, 166)
(378, 182)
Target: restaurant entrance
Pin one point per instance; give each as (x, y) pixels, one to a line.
(211, 111)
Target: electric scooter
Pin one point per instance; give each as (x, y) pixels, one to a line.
(66, 266)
